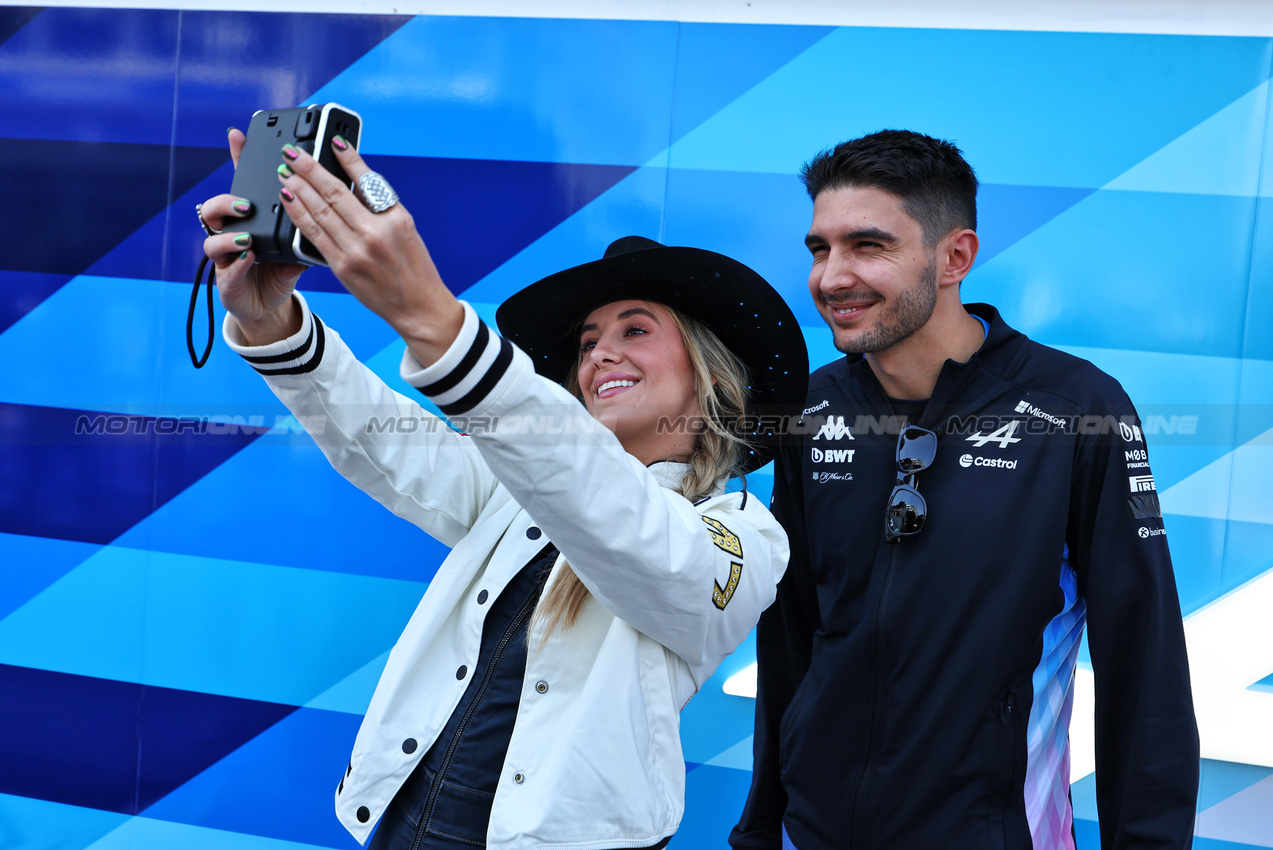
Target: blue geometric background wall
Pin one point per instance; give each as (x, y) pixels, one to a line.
(195, 608)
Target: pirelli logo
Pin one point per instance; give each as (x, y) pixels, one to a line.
(726, 541)
(723, 537)
(1142, 483)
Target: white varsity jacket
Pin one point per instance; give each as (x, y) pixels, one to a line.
(595, 758)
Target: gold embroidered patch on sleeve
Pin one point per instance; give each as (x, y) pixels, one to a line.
(724, 539)
(722, 595)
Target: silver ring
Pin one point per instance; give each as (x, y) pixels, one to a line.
(376, 192)
(198, 210)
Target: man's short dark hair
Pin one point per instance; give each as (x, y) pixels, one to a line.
(937, 187)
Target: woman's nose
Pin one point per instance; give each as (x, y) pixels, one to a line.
(603, 352)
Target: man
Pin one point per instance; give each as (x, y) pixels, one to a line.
(916, 672)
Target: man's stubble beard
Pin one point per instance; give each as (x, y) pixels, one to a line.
(907, 312)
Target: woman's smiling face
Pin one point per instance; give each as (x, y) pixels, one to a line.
(636, 379)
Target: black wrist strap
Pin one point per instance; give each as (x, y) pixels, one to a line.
(194, 300)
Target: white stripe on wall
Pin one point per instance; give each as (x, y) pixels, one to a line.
(1185, 17)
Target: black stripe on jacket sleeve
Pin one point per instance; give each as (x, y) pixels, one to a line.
(315, 343)
(493, 374)
(466, 364)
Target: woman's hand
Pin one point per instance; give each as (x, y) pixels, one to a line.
(379, 257)
(259, 297)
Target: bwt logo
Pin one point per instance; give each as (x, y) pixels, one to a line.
(833, 429)
(833, 455)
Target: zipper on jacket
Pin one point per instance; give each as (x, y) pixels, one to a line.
(527, 607)
(877, 706)
(1009, 719)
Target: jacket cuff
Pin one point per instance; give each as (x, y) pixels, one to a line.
(296, 355)
(477, 367)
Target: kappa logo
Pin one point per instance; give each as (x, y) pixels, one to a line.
(833, 455)
(1142, 483)
(833, 429)
(1002, 436)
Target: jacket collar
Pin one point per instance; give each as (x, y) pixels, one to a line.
(959, 384)
(1001, 340)
(669, 472)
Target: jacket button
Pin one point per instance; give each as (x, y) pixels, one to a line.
(363, 814)
(534, 533)
(408, 746)
(481, 597)
(459, 674)
(519, 778)
(541, 686)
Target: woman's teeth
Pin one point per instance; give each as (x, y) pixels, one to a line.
(609, 385)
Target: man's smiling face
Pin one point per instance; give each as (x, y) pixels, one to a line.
(873, 279)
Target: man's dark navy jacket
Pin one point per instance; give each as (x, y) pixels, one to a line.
(917, 694)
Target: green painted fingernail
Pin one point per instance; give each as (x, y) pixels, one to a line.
(242, 206)
(243, 240)
(230, 129)
(291, 151)
(339, 143)
(243, 256)
(285, 170)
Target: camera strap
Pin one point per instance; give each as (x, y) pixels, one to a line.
(194, 300)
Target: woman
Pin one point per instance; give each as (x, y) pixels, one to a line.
(599, 573)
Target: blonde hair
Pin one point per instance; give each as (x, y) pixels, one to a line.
(720, 384)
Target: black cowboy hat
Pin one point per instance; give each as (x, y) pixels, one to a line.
(741, 308)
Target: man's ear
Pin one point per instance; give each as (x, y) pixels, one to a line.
(955, 256)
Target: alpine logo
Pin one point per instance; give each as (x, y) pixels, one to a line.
(833, 429)
(1142, 483)
(1002, 436)
(1026, 407)
(833, 455)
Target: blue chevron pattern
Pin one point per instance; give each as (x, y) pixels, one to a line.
(194, 614)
